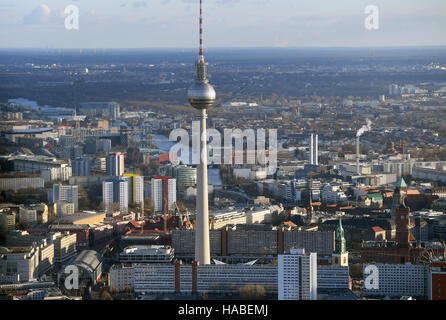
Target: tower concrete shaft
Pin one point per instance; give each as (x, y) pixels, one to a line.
(358, 169)
(202, 246)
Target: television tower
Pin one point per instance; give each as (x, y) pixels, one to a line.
(202, 96)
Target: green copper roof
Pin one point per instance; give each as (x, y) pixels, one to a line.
(339, 239)
(340, 224)
(401, 183)
(376, 196)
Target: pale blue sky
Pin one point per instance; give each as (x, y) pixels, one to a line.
(228, 23)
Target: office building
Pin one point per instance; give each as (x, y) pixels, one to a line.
(186, 177)
(147, 254)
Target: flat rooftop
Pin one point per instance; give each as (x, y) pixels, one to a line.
(147, 250)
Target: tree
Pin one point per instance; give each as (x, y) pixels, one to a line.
(181, 206)
(148, 206)
(105, 295)
(252, 292)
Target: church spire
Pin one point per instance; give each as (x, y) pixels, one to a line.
(340, 246)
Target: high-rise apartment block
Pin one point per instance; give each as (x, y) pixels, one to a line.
(81, 167)
(164, 193)
(69, 194)
(115, 191)
(136, 188)
(115, 164)
(297, 278)
(314, 149)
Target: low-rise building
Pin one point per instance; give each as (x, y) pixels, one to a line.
(20, 183)
(395, 280)
(333, 277)
(64, 245)
(7, 221)
(20, 261)
(120, 278)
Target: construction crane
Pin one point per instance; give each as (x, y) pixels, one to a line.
(133, 132)
(150, 140)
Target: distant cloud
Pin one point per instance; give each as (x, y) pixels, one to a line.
(139, 4)
(39, 15)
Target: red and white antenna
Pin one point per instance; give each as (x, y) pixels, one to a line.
(201, 54)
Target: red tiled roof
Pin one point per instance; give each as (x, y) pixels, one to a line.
(290, 223)
(164, 158)
(377, 229)
(136, 224)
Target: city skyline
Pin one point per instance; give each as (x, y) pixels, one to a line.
(348, 201)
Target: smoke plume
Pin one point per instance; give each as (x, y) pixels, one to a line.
(364, 128)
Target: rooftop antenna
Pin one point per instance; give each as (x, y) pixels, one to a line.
(201, 52)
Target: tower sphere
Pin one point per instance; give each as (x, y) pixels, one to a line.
(201, 95)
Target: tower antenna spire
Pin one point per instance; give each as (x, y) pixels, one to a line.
(201, 51)
(201, 66)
